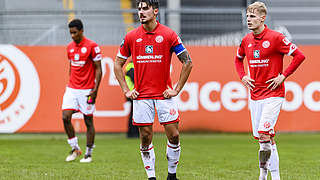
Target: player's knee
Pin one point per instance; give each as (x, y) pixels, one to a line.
(174, 138)
(264, 137)
(146, 135)
(266, 146)
(89, 123)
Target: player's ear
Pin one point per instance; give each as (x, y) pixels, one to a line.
(263, 18)
(156, 11)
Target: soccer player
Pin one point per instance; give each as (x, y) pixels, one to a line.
(265, 49)
(151, 46)
(81, 92)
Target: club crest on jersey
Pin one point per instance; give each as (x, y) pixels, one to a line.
(267, 125)
(172, 112)
(256, 53)
(159, 39)
(266, 44)
(139, 40)
(76, 57)
(84, 50)
(149, 49)
(72, 50)
(249, 45)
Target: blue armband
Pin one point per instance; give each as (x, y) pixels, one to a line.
(178, 49)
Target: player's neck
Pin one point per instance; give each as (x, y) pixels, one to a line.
(150, 26)
(258, 30)
(78, 42)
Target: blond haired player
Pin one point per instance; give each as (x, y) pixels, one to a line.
(264, 50)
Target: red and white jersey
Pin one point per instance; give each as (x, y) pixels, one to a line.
(264, 54)
(82, 69)
(151, 54)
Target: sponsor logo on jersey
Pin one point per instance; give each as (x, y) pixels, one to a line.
(159, 39)
(256, 53)
(97, 49)
(149, 49)
(150, 57)
(259, 61)
(286, 41)
(76, 57)
(84, 50)
(266, 44)
(78, 63)
(293, 47)
(19, 89)
(139, 40)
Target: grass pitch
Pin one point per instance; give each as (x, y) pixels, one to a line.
(203, 157)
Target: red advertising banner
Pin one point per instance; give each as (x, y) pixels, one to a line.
(33, 81)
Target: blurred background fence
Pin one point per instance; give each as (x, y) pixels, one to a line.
(201, 22)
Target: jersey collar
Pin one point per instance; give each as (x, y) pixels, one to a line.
(260, 36)
(152, 32)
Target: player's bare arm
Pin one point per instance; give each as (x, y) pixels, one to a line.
(133, 94)
(248, 82)
(275, 82)
(185, 59)
(94, 92)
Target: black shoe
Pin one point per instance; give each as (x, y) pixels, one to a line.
(172, 176)
(152, 178)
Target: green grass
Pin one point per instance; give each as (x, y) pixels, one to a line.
(203, 157)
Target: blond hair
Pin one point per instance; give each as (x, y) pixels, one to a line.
(259, 6)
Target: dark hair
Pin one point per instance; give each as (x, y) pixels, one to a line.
(76, 23)
(154, 3)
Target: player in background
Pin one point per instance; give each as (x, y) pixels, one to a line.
(264, 49)
(133, 131)
(81, 92)
(151, 46)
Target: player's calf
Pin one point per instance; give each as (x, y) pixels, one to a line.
(264, 153)
(148, 158)
(264, 156)
(173, 155)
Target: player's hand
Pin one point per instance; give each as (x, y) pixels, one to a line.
(133, 94)
(248, 82)
(275, 82)
(91, 98)
(169, 93)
